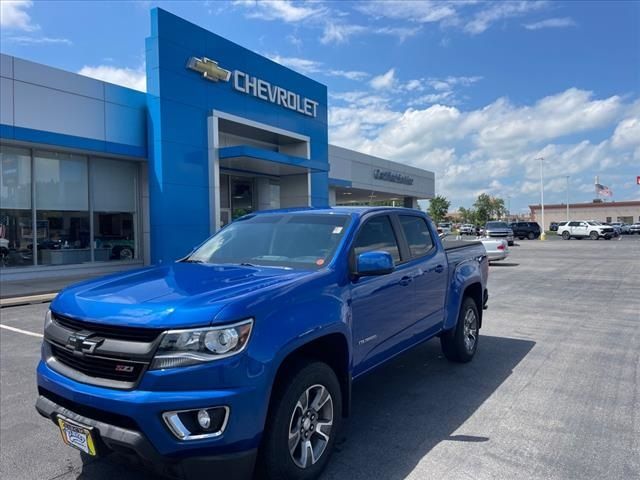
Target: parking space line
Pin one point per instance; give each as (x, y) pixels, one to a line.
(19, 330)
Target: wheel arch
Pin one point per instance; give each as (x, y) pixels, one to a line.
(332, 349)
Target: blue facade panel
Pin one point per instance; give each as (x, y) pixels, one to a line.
(180, 101)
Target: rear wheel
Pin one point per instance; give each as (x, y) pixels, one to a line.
(460, 344)
(594, 235)
(566, 235)
(303, 424)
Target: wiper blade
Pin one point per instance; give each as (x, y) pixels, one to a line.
(247, 264)
(192, 260)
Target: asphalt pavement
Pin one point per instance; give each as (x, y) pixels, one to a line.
(553, 393)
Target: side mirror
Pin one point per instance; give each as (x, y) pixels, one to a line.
(374, 263)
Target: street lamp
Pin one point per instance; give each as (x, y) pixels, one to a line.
(543, 236)
(567, 176)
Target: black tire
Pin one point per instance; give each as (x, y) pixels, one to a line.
(594, 235)
(531, 236)
(607, 237)
(126, 253)
(453, 341)
(520, 238)
(276, 462)
(566, 235)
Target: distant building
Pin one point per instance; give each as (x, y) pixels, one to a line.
(627, 212)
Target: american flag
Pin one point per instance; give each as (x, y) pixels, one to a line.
(603, 191)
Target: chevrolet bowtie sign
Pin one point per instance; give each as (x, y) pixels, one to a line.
(209, 69)
(254, 86)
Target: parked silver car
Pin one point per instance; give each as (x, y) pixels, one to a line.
(497, 229)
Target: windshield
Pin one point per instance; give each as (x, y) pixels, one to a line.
(287, 240)
(497, 225)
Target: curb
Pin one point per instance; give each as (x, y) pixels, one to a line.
(15, 301)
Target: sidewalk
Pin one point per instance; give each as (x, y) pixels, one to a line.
(23, 288)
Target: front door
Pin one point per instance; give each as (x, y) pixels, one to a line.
(382, 305)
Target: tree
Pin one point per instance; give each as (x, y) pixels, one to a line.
(438, 208)
(488, 208)
(484, 208)
(468, 215)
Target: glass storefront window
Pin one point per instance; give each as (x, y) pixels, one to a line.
(63, 237)
(114, 192)
(85, 208)
(241, 196)
(62, 208)
(16, 221)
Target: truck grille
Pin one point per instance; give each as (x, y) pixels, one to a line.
(132, 334)
(99, 367)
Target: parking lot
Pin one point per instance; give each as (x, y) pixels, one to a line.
(553, 393)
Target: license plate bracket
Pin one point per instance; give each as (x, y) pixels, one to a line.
(80, 437)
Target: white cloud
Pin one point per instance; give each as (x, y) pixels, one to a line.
(415, 11)
(492, 149)
(308, 67)
(127, 77)
(13, 15)
(349, 74)
(384, 81)
(551, 23)
(284, 10)
(301, 65)
(495, 12)
(25, 40)
(401, 32)
(339, 32)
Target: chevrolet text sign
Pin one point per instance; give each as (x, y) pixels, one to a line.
(254, 86)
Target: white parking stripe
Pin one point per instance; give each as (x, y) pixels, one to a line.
(18, 330)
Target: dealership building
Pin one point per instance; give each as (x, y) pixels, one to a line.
(625, 212)
(97, 177)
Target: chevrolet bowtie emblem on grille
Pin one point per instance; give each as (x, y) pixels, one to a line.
(209, 69)
(80, 342)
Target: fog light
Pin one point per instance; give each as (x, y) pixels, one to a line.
(204, 420)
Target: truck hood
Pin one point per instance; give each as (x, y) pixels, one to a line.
(171, 296)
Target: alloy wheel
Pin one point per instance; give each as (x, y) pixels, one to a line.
(310, 426)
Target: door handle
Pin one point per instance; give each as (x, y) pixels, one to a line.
(404, 281)
(437, 269)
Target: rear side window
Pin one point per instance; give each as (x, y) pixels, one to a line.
(417, 234)
(377, 234)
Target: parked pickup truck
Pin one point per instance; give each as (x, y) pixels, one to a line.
(591, 229)
(243, 353)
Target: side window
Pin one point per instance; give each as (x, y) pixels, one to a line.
(573, 224)
(417, 234)
(377, 234)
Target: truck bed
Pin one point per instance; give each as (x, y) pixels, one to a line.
(461, 250)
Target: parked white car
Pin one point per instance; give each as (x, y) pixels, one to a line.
(497, 248)
(468, 229)
(445, 227)
(583, 229)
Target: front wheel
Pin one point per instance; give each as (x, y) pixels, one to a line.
(460, 344)
(531, 236)
(566, 235)
(594, 235)
(303, 425)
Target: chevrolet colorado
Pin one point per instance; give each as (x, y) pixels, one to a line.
(239, 358)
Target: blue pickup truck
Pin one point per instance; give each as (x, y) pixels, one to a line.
(240, 357)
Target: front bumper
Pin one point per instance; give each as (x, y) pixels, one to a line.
(132, 444)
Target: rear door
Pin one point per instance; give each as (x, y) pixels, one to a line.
(382, 305)
(430, 276)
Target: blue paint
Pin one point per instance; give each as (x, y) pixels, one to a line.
(70, 141)
(271, 156)
(179, 103)
(290, 308)
(336, 182)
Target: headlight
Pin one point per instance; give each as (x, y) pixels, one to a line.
(179, 348)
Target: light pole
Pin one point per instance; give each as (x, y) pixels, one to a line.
(567, 198)
(543, 236)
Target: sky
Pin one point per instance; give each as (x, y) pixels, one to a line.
(474, 91)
